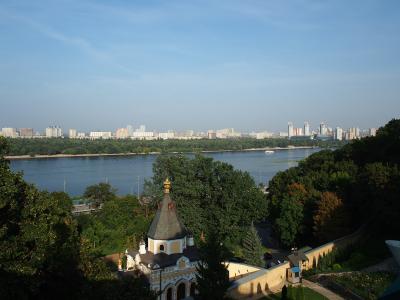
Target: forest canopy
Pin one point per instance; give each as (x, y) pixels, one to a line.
(332, 193)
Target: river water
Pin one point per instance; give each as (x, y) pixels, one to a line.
(127, 173)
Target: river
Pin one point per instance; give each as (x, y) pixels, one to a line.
(127, 173)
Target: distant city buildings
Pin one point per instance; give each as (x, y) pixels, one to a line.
(307, 129)
(26, 132)
(9, 132)
(323, 132)
(372, 132)
(122, 133)
(100, 135)
(290, 130)
(338, 134)
(72, 134)
(53, 132)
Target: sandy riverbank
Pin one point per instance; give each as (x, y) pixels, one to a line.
(22, 157)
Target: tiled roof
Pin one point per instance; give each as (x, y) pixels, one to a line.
(166, 224)
(164, 260)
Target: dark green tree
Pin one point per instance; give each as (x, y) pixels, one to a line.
(252, 248)
(206, 191)
(212, 274)
(288, 225)
(39, 242)
(284, 293)
(100, 193)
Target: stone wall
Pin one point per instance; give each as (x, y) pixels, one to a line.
(266, 281)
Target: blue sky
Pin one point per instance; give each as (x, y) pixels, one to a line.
(198, 64)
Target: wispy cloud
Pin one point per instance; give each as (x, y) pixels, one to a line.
(80, 43)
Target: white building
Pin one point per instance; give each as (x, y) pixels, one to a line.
(100, 135)
(143, 135)
(81, 135)
(261, 135)
(338, 134)
(72, 133)
(323, 130)
(290, 130)
(166, 135)
(227, 133)
(372, 132)
(307, 129)
(53, 132)
(9, 132)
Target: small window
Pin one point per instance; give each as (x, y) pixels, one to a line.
(162, 248)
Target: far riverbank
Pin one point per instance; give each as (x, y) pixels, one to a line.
(25, 157)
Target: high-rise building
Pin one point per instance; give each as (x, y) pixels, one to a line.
(290, 129)
(297, 131)
(142, 128)
(53, 132)
(26, 132)
(358, 135)
(72, 134)
(9, 132)
(323, 130)
(122, 133)
(306, 129)
(338, 134)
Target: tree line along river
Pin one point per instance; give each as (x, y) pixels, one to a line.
(127, 173)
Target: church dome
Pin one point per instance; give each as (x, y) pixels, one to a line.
(166, 224)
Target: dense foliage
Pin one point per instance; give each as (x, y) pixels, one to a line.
(252, 248)
(331, 193)
(212, 275)
(211, 194)
(100, 193)
(42, 255)
(120, 224)
(75, 146)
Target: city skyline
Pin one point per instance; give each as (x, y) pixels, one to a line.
(247, 65)
(324, 131)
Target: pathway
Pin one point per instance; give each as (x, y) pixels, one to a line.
(321, 290)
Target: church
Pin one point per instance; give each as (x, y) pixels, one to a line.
(170, 258)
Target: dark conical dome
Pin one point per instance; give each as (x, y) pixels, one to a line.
(166, 224)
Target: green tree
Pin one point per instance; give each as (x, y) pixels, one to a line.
(288, 225)
(252, 248)
(100, 193)
(212, 274)
(208, 192)
(39, 241)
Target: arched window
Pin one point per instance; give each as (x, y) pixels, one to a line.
(162, 248)
(181, 293)
(169, 294)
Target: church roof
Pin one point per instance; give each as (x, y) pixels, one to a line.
(166, 224)
(164, 260)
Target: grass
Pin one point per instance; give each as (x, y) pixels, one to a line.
(307, 294)
(367, 285)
